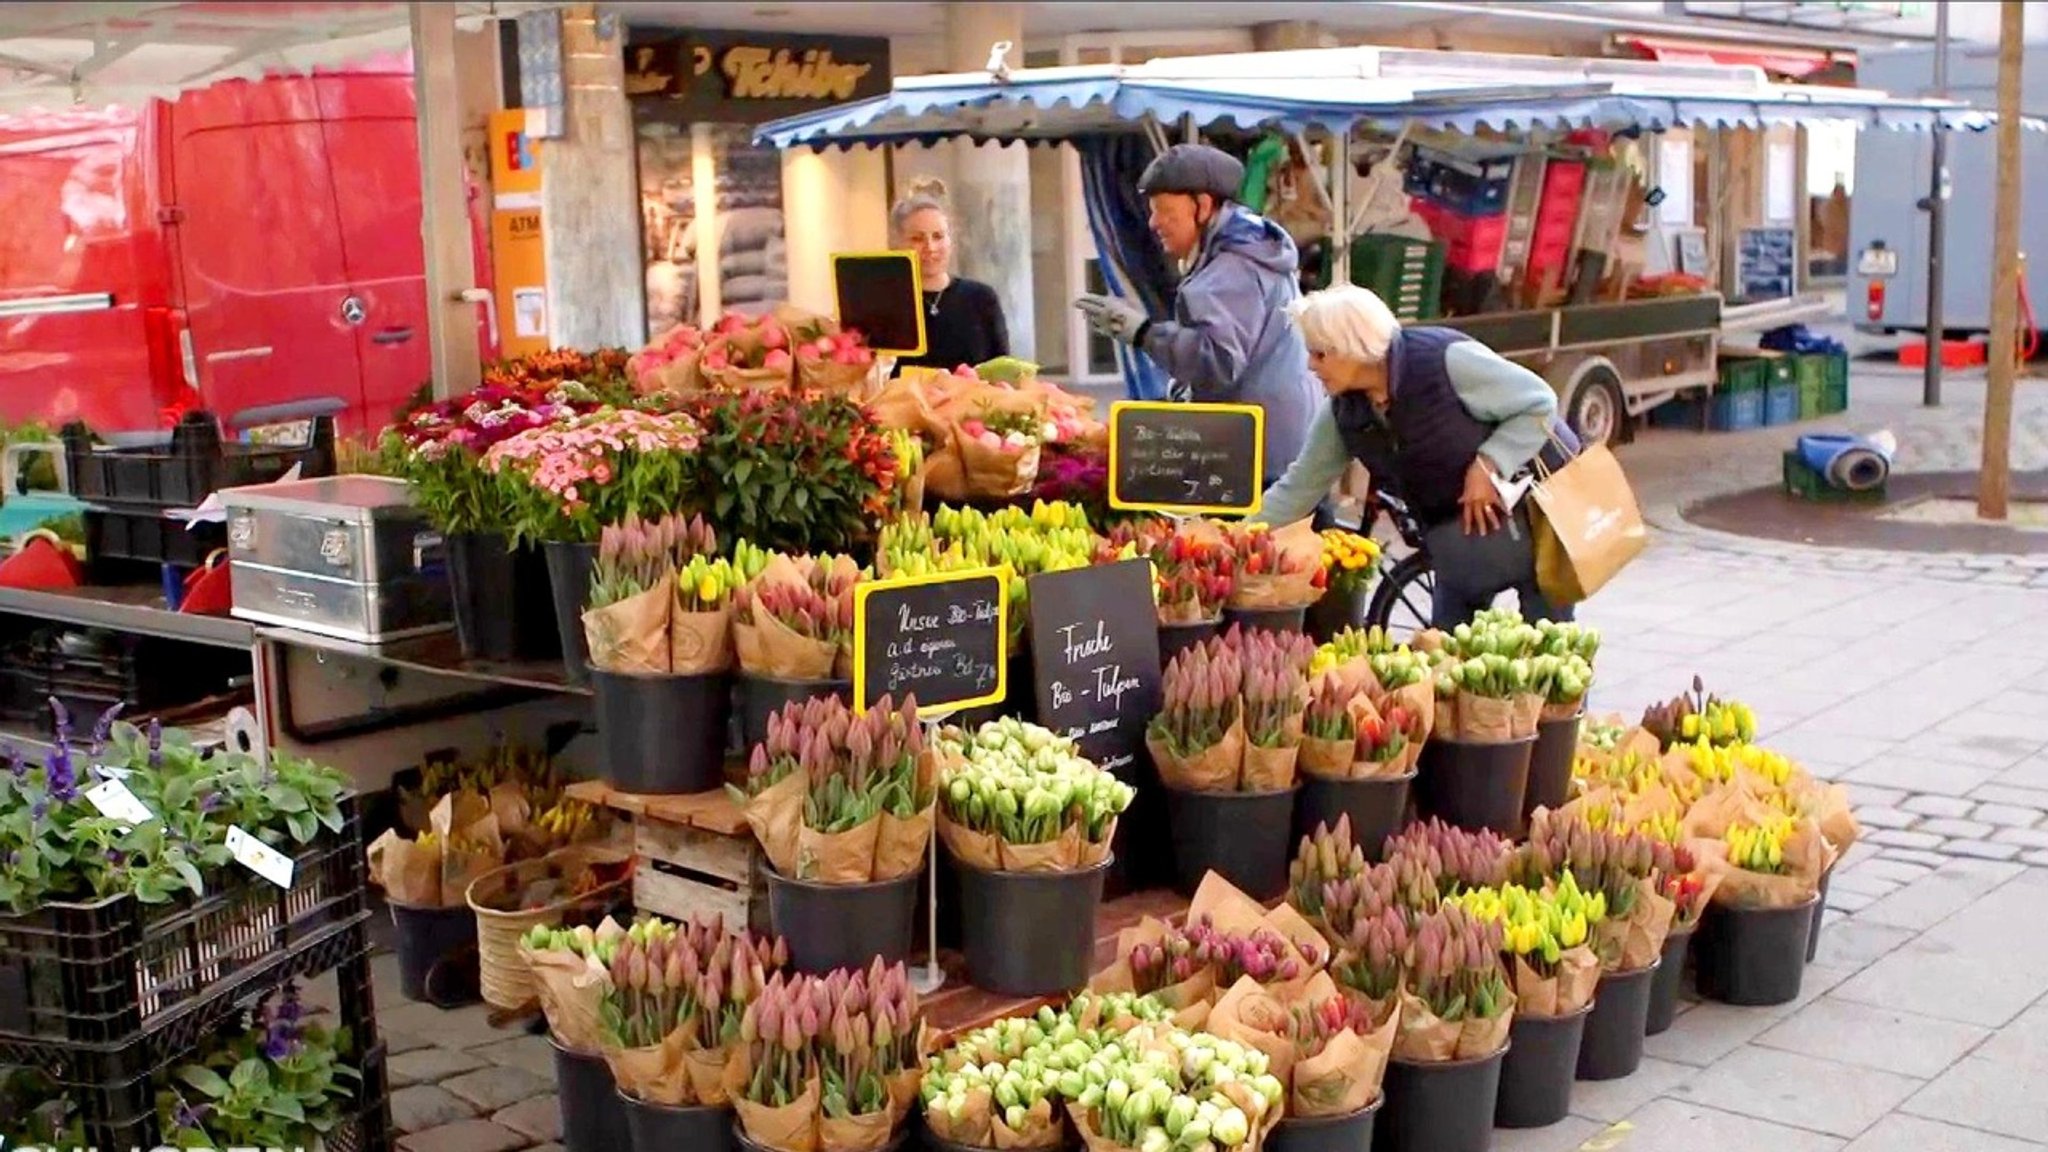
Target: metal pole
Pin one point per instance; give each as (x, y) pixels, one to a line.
(1936, 205)
(1994, 478)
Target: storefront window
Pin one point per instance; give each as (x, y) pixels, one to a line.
(668, 228)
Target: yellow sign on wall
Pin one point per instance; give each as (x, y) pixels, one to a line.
(515, 161)
(518, 260)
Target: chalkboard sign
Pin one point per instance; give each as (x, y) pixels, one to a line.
(1095, 659)
(881, 296)
(1187, 458)
(942, 638)
(1764, 259)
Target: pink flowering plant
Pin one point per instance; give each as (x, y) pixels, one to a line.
(565, 481)
(438, 447)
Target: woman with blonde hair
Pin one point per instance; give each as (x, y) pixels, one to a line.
(1436, 417)
(963, 319)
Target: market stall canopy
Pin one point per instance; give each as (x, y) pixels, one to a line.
(61, 56)
(1340, 89)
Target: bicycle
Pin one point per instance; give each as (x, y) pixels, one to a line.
(1407, 588)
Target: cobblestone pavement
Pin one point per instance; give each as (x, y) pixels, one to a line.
(1919, 682)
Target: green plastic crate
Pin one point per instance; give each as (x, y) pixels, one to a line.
(1406, 273)
(1803, 483)
(1742, 374)
(1812, 373)
(1834, 393)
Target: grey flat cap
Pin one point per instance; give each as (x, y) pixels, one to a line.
(1193, 168)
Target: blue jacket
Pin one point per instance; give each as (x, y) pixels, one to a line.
(1229, 341)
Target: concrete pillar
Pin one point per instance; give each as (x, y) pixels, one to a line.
(838, 201)
(991, 185)
(1289, 35)
(590, 197)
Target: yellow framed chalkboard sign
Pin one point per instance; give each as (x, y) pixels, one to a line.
(1189, 459)
(881, 296)
(943, 638)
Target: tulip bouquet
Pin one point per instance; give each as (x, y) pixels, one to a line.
(560, 371)
(1544, 941)
(1350, 561)
(1261, 954)
(1180, 1092)
(630, 616)
(1326, 859)
(1688, 888)
(1197, 739)
(1347, 734)
(1491, 689)
(1051, 536)
(839, 798)
(671, 1002)
(1275, 570)
(1456, 1004)
(835, 362)
(1015, 797)
(746, 353)
(1763, 770)
(1356, 900)
(1372, 960)
(1685, 719)
(1622, 866)
(1456, 859)
(1759, 847)
(1194, 571)
(999, 1086)
(1348, 649)
(991, 442)
(564, 482)
(794, 619)
(669, 362)
(1328, 1039)
(1275, 695)
(833, 1060)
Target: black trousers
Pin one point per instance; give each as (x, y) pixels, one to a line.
(1471, 571)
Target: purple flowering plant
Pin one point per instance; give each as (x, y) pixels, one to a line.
(279, 1083)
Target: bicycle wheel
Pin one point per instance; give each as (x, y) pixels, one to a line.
(1402, 601)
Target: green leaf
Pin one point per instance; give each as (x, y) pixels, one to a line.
(250, 1073)
(303, 826)
(285, 1108)
(205, 1080)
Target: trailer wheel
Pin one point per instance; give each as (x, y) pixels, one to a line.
(1596, 411)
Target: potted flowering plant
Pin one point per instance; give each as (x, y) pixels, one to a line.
(1751, 944)
(438, 448)
(563, 483)
(794, 471)
(1194, 571)
(792, 623)
(1278, 575)
(658, 627)
(1357, 761)
(1456, 1012)
(1350, 569)
(279, 1083)
(842, 805)
(834, 1061)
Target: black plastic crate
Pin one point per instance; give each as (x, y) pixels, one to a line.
(198, 462)
(144, 673)
(106, 974)
(148, 537)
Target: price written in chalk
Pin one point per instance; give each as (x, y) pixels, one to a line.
(943, 639)
(1189, 458)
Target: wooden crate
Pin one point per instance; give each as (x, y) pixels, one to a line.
(697, 856)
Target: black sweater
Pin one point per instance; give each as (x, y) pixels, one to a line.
(963, 324)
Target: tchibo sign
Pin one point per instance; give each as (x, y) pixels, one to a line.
(4, 1147)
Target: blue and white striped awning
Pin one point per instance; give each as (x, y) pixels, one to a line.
(1339, 90)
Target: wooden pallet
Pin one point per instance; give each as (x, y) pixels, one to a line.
(698, 857)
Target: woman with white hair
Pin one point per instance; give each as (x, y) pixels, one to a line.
(1435, 416)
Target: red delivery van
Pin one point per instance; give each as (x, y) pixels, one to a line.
(253, 248)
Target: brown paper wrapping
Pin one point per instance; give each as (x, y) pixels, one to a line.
(974, 849)
(901, 843)
(656, 1075)
(1633, 942)
(1062, 854)
(864, 1133)
(716, 1074)
(1188, 611)
(631, 636)
(1094, 852)
(1484, 720)
(571, 990)
(1271, 769)
(790, 1128)
(1326, 759)
(1722, 807)
(994, 473)
(408, 873)
(1806, 859)
(1297, 542)
(1042, 1129)
(902, 404)
(1190, 998)
(834, 378)
(1217, 768)
(747, 343)
(1254, 1016)
(972, 1128)
(1570, 989)
(1526, 710)
(838, 857)
(788, 655)
(1426, 1038)
(777, 816)
(700, 643)
(1346, 1075)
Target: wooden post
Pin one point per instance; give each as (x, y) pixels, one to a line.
(451, 266)
(1994, 476)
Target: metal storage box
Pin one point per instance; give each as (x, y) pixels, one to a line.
(341, 556)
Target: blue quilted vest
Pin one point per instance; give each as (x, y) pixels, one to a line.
(1419, 450)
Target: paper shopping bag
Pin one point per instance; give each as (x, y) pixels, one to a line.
(1589, 526)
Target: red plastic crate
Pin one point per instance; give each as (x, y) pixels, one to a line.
(1471, 243)
(1954, 353)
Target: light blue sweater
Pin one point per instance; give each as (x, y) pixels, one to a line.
(1520, 404)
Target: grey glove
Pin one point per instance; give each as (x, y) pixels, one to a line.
(1115, 317)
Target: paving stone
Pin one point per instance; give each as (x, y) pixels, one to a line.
(461, 1029)
(1896, 871)
(497, 1087)
(2006, 794)
(1919, 775)
(1610, 1100)
(529, 1053)
(1888, 817)
(1567, 1135)
(1669, 1125)
(429, 1065)
(2037, 858)
(1848, 901)
(539, 1118)
(1902, 1133)
(1711, 1031)
(1859, 852)
(2024, 837)
(1989, 1095)
(1871, 1036)
(1856, 943)
(465, 1136)
(424, 1106)
(1914, 856)
(1794, 1089)
(1982, 849)
(1985, 965)
(2007, 815)
(1875, 796)
(1895, 838)
(1956, 829)
(1864, 883)
(399, 1043)
(1934, 897)
(1948, 806)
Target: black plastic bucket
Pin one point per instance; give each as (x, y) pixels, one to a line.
(1613, 1047)
(592, 1120)
(1335, 612)
(1377, 807)
(1351, 1132)
(1445, 1107)
(1536, 1074)
(666, 1128)
(1177, 638)
(764, 696)
(1474, 786)
(1752, 956)
(1143, 848)
(437, 954)
(1670, 978)
(1266, 619)
(931, 1143)
(1820, 915)
(1029, 933)
(843, 925)
(662, 735)
(1550, 765)
(1241, 836)
(504, 602)
(569, 575)
(747, 1144)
